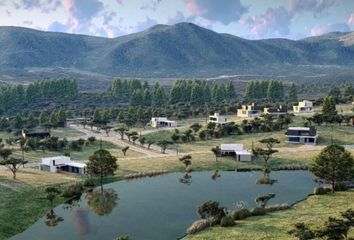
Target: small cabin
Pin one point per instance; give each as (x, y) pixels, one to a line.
(249, 111)
(241, 154)
(37, 134)
(303, 107)
(162, 122)
(304, 135)
(217, 119)
(62, 163)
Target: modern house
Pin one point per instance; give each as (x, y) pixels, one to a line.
(236, 150)
(303, 107)
(249, 111)
(160, 122)
(38, 134)
(276, 111)
(305, 135)
(62, 163)
(218, 119)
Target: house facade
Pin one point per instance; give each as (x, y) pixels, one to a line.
(241, 154)
(217, 119)
(161, 122)
(62, 163)
(303, 107)
(304, 135)
(38, 134)
(249, 111)
(276, 111)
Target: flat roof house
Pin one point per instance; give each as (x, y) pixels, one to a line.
(238, 150)
(218, 119)
(160, 122)
(305, 135)
(276, 111)
(37, 134)
(249, 111)
(303, 107)
(62, 163)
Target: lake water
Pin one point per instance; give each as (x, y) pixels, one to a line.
(161, 207)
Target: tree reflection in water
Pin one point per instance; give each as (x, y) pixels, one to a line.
(215, 175)
(102, 202)
(186, 179)
(52, 219)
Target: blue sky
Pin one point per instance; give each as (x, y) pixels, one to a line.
(253, 19)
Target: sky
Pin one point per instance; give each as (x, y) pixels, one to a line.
(251, 19)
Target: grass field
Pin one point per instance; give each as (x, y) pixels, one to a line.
(23, 201)
(314, 211)
(65, 133)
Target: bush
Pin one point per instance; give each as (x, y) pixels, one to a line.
(227, 221)
(199, 226)
(265, 180)
(241, 214)
(73, 190)
(259, 211)
(89, 183)
(321, 190)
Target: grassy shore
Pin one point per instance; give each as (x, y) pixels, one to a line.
(313, 211)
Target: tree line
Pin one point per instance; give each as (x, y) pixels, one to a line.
(271, 90)
(17, 95)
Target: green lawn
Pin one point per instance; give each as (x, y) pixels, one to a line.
(314, 211)
(65, 133)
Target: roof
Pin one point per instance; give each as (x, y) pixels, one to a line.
(76, 164)
(161, 119)
(231, 147)
(243, 152)
(299, 128)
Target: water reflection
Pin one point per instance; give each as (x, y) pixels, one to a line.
(52, 219)
(186, 179)
(215, 175)
(102, 201)
(81, 222)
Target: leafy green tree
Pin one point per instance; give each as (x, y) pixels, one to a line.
(51, 194)
(186, 160)
(13, 164)
(334, 164)
(302, 232)
(217, 151)
(293, 93)
(124, 150)
(230, 90)
(102, 164)
(176, 138)
(61, 117)
(211, 210)
(31, 121)
(163, 145)
(329, 106)
(122, 131)
(196, 127)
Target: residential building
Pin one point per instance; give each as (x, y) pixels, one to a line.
(249, 111)
(236, 150)
(276, 111)
(218, 119)
(305, 135)
(303, 107)
(37, 134)
(62, 163)
(160, 122)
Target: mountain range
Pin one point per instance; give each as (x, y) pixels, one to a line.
(184, 49)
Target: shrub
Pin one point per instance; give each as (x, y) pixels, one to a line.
(321, 190)
(73, 190)
(341, 186)
(89, 183)
(91, 139)
(241, 214)
(258, 211)
(199, 226)
(265, 180)
(227, 221)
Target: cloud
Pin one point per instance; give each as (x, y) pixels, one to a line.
(143, 25)
(315, 6)
(224, 11)
(151, 5)
(45, 6)
(351, 20)
(179, 17)
(336, 27)
(274, 22)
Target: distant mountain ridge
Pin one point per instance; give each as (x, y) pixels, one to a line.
(163, 50)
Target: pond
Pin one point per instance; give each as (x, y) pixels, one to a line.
(162, 207)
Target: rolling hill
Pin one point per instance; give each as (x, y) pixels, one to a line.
(179, 50)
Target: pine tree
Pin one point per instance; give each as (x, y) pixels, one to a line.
(293, 93)
(230, 90)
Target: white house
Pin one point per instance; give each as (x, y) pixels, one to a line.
(158, 122)
(218, 119)
(249, 111)
(62, 163)
(303, 107)
(238, 150)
